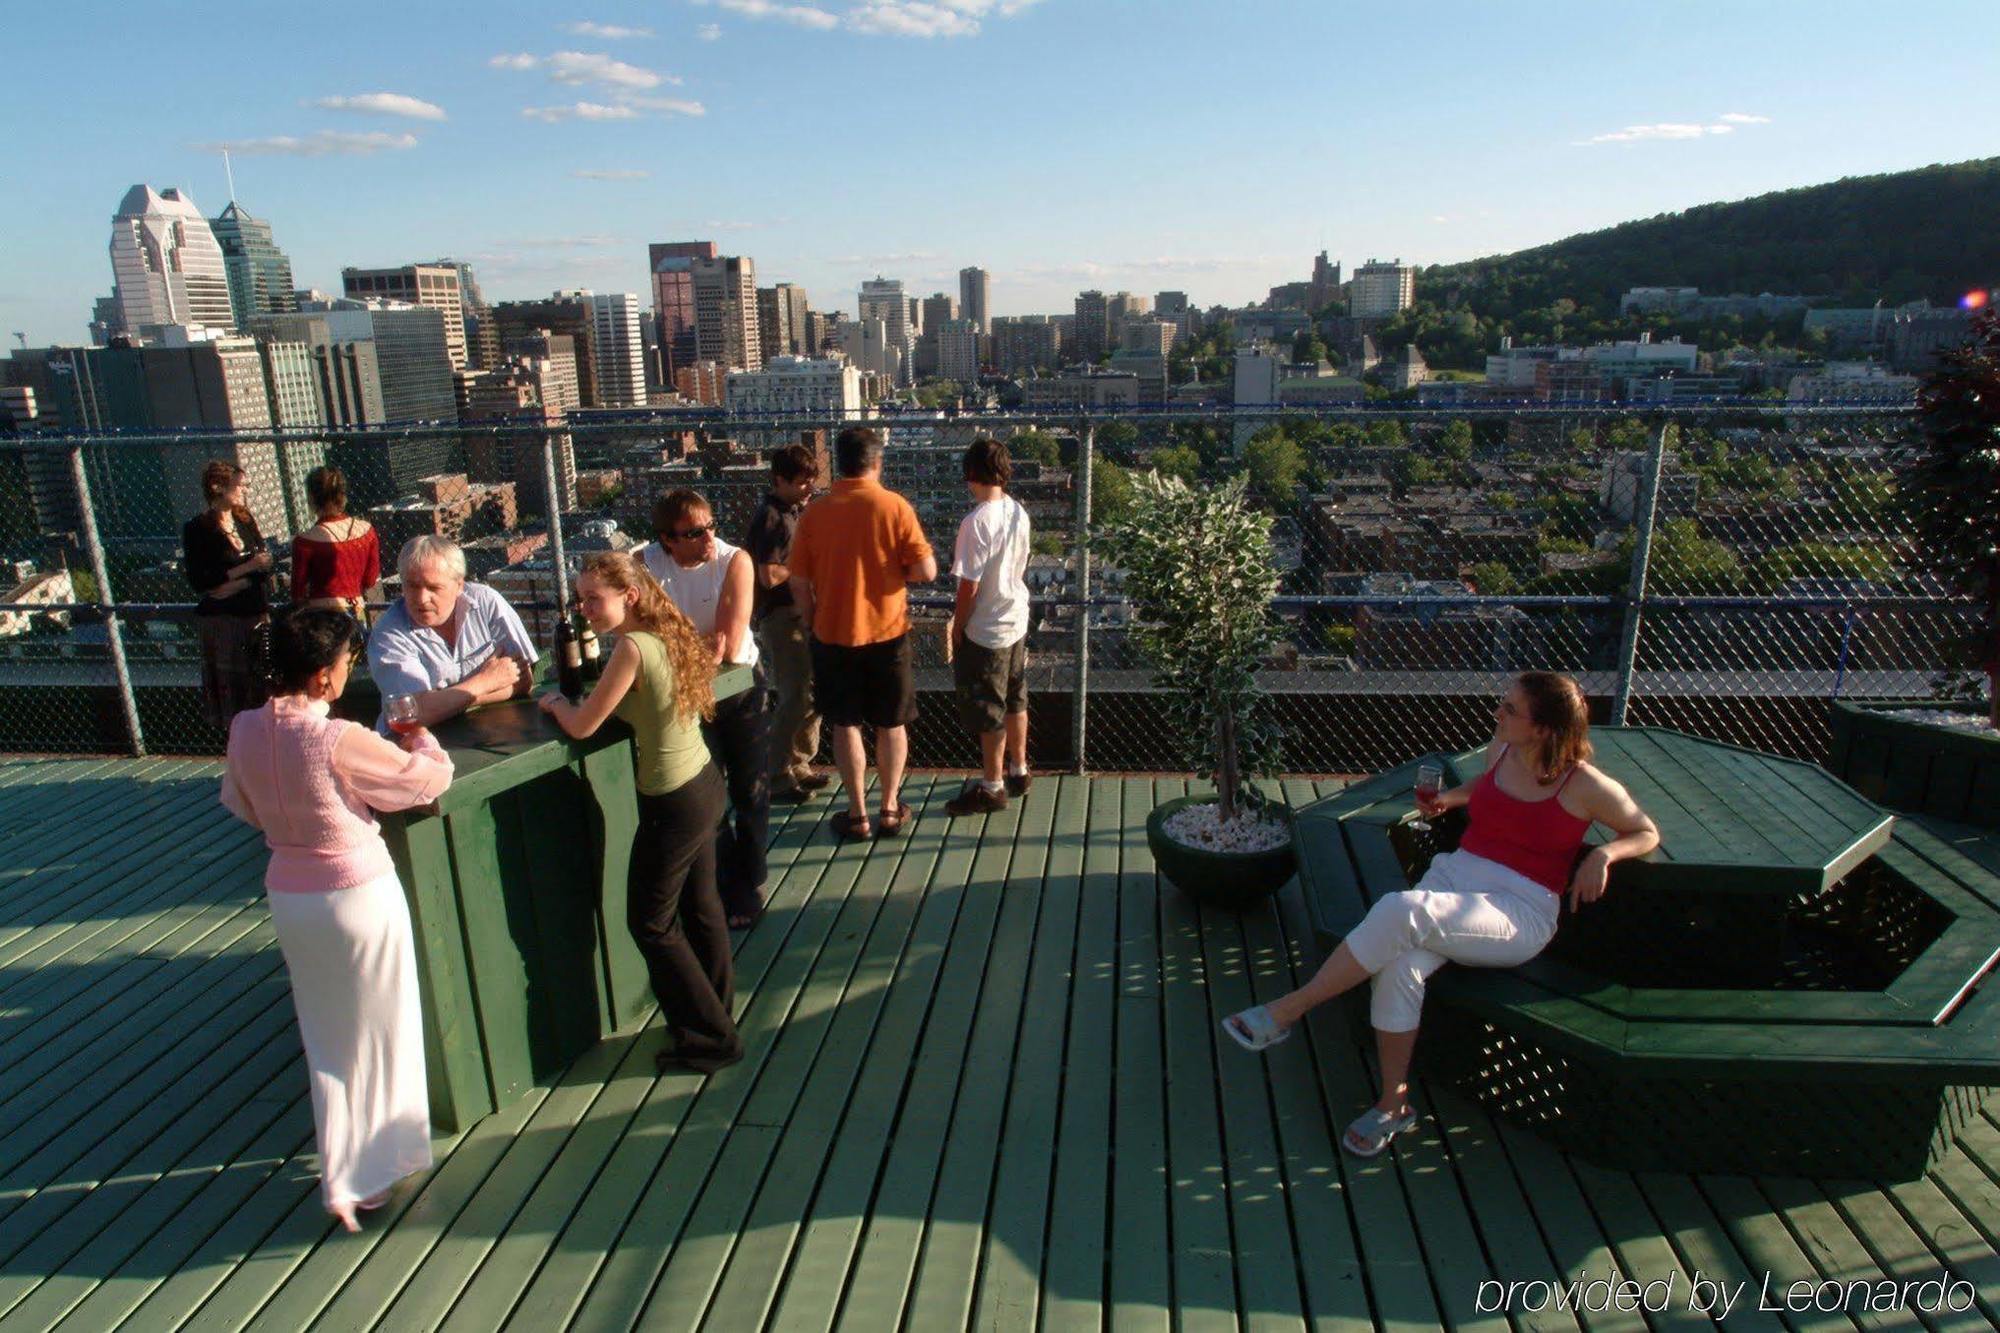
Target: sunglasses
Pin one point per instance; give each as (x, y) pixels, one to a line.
(692, 534)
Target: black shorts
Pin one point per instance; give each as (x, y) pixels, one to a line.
(991, 683)
(872, 684)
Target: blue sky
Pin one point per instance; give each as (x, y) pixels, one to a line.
(1061, 144)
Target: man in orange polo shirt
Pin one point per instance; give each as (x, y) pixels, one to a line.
(855, 551)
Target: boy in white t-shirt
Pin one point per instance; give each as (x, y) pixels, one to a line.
(988, 642)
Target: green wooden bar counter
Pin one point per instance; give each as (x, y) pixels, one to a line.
(516, 883)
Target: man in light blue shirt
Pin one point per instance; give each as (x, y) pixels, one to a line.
(449, 643)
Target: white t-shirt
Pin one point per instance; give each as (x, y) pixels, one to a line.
(992, 551)
(698, 591)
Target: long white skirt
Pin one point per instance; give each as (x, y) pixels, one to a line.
(353, 966)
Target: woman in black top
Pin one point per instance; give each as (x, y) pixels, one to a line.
(229, 565)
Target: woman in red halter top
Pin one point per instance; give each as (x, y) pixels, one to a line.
(1492, 903)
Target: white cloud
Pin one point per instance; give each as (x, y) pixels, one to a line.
(672, 106)
(708, 32)
(930, 18)
(579, 111)
(1676, 130)
(610, 32)
(320, 143)
(804, 16)
(382, 104)
(611, 174)
(583, 67)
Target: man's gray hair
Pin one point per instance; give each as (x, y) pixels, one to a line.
(429, 549)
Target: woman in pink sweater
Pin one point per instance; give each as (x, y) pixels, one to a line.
(308, 782)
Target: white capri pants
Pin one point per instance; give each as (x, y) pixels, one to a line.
(1466, 909)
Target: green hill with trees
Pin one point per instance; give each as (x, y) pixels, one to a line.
(1908, 235)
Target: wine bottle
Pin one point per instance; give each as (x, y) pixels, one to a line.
(586, 638)
(569, 660)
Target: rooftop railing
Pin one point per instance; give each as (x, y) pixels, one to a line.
(1724, 569)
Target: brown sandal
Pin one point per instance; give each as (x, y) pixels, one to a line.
(890, 822)
(849, 827)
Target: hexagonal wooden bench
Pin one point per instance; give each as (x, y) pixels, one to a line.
(1790, 985)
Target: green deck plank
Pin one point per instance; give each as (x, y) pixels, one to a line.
(601, 1218)
(129, 1018)
(882, 1277)
(769, 1234)
(823, 1250)
(1961, 1241)
(46, 824)
(119, 1220)
(307, 1258)
(1392, 1259)
(1705, 1248)
(1824, 1235)
(1142, 1191)
(1268, 1266)
(63, 894)
(1767, 1246)
(136, 937)
(958, 1232)
(1009, 1287)
(47, 1229)
(625, 1281)
(1715, 821)
(801, 1093)
(1899, 1252)
(1329, 1262)
(410, 1277)
(1637, 1239)
(117, 1107)
(237, 1206)
(511, 1258)
(1073, 1275)
(1558, 1206)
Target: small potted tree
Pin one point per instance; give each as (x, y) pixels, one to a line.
(1200, 577)
(1944, 758)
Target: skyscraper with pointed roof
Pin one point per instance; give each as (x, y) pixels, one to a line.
(165, 263)
(260, 276)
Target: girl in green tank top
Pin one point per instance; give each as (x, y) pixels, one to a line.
(660, 679)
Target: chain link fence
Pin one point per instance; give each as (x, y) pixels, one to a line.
(1723, 571)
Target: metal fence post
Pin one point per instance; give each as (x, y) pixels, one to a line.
(114, 635)
(1079, 723)
(1642, 549)
(554, 504)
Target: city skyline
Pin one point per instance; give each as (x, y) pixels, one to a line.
(549, 152)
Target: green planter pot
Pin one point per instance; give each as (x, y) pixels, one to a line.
(1915, 768)
(1234, 880)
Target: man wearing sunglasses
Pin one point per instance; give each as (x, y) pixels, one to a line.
(710, 581)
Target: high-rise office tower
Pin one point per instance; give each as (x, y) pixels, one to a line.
(725, 312)
(883, 299)
(482, 333)
(937, 308)
(567, 313)
(1379, 290)
(958, 350)
(1324, 288)
(432, 285)
(781, 320)
(618, 349)
(973, 297)
(672, 265)
(260, 276)
(165, 263)
(1090, 338)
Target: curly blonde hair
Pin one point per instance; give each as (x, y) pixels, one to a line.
(655, 613)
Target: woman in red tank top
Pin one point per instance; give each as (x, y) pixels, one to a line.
(336, 562)
(1491, 903)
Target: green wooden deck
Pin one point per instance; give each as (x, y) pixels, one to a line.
(984, 1087)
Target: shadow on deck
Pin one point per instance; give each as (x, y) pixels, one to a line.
(984, 1086)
